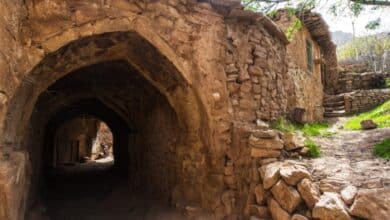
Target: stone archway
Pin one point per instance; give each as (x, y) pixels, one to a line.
(153, 66)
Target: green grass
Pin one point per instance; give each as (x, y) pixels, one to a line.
(387, 82)
(382, 149)
(380, 115)
(315, 129)
(308, 130)
(314, 149)
(284, 125)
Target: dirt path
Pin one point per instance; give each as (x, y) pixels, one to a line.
(94, 192)
(347, 158)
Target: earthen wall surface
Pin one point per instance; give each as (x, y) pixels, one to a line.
(221, 71)
(305, 87)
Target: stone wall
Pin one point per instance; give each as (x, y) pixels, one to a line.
(364, 100)
(256, 72)
(14, 165)
(73, 140)
(305, 89)
(213, 74)
(349, 81)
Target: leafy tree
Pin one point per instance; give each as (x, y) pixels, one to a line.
(372, 25)
(371, 49)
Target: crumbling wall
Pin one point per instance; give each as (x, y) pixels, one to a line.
(349, 81)
(364, 100)
(222, 70)
(256, 72)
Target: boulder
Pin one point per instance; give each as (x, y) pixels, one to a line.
(330, 207)
(309, 192)
(265, 134)
(270, 174)
(262, 124)
(304, 151)
(259, 211)
(276, 211)
(368, 124)
(372, 204)
(292, 141)
(266, 161)
(299, 217)
(348, 194)
(264, 153)
(260, 194)
(265, 143)
(332, 185)
(287, 196)
(292, 174)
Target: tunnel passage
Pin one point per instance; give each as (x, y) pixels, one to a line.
(84, 140)
(78, 112)
(169, 128)
(144, 125)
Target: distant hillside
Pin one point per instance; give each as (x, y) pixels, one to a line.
(340, 38)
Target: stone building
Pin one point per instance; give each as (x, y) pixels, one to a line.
(312, 63)
(187, 87)
(358, 89)
(79, 139)
(187, 81)
(73, 140)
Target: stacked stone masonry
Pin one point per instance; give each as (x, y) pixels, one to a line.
(221, 69)
(200, 80)
(360, 81)
(305, 88)
(364, 100)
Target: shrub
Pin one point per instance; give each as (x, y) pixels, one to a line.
(314, 149)
(382, 149)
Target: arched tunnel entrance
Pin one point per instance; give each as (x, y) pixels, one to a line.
(80, 109)
(158, 123)
(145, 131)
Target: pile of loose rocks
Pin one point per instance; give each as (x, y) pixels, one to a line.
(275, 144)
(289, 192)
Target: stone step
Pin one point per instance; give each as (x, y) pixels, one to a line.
(335, 113)
(333, 98)
(332, 104)
(334, 108)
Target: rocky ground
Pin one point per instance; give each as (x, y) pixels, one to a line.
(347, 159)
(353, 182)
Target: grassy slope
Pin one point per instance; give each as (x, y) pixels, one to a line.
(380, 115)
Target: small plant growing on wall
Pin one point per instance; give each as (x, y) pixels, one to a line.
(294, 27)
